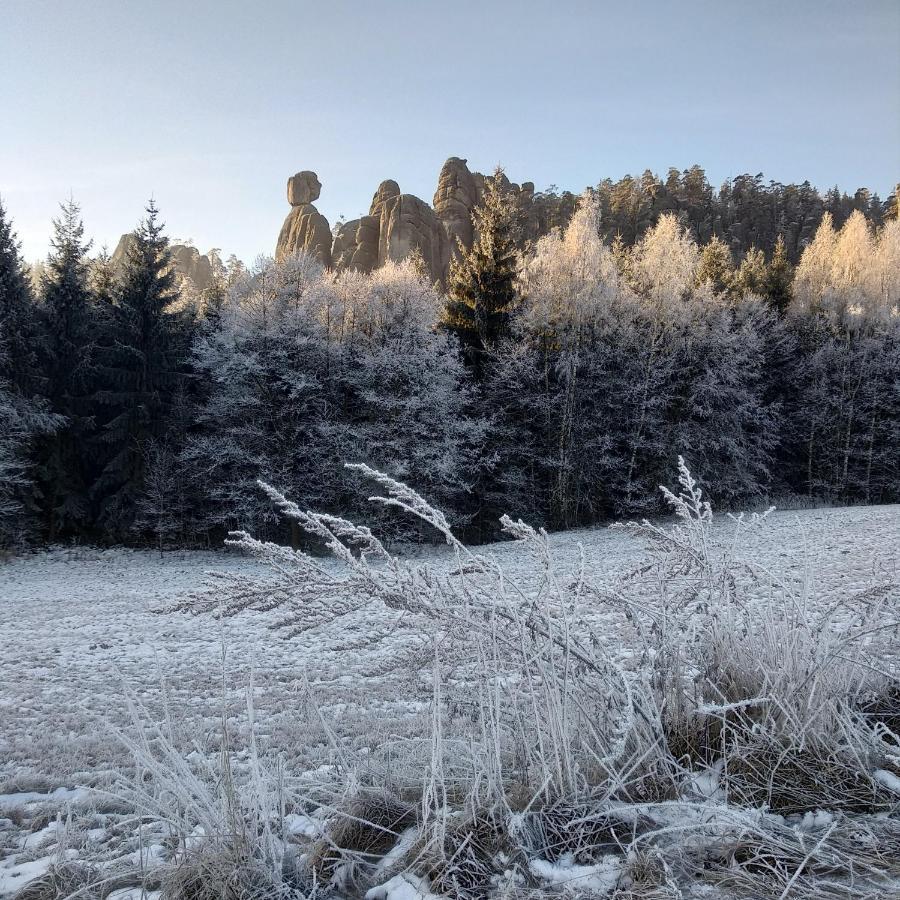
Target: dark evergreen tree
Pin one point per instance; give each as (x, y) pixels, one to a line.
(481, 288)
(19, 326)
(142, 366)
(103, 282)
(64, 459)
(779, 278)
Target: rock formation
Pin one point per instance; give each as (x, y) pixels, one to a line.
(455, 198)
(303, 188)
(399, 224)
(187, 261)
(305, 228)
(406, 224)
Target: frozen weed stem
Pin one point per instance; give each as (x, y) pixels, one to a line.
(699, 720)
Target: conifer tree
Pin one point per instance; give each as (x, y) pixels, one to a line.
(64, 459)
(751, 274)
(892, 205)
(143, 364)
(19, 325)
(482, 292)
(716, 266)
(102, 281)
(779, 278)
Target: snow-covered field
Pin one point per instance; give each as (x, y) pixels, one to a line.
(84, 650)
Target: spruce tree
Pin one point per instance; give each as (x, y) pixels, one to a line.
(716, 266)
(67, 359)
(481, 288)
(751, 275)
(19, 326)
(143, 365)
(779, 279)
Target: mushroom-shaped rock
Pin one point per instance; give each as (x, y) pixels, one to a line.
(303, 188)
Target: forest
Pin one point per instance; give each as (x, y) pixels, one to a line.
(755, 331)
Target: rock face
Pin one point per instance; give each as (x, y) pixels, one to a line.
(455, 198)
(195, 265)
(305, 228)
(187, 261)
(356, 245)
(399, 224)
(386, 192)
(406, 224)
(303, 188)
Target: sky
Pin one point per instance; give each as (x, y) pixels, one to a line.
(208, 106)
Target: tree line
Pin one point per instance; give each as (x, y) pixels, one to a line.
(745, 212)
(556, 383)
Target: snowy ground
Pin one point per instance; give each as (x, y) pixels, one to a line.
(79, 635)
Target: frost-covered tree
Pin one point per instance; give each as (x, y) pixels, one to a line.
(727, 425)
(406, 383)
(307, 372)
(850, 275)
(662, 272)
(570, 286)
(272, 400)
(663, 265)
(844, 408)
(159, 509)
(22, 421)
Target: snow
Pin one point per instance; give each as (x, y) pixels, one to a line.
(302, 825)
(134, 894)
(402, 887)
(81, 625)
(600, 877)
(79, 634)
(888, 779)
(59, 796)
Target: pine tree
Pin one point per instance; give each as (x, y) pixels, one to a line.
(142, 364)
(482, 291)
(67, 360)
(892, 205)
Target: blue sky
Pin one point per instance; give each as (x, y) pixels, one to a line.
(209, 106)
